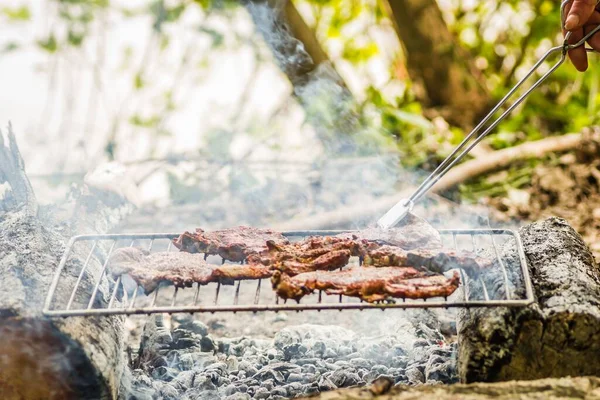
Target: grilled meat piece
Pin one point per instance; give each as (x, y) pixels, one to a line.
(368, 283)
(179, 268)
(441, 260)
(234, 244)
(435, 260)
(384, 256)
(311, 254)
(413, 233)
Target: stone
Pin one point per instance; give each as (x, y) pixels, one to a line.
(229, 390)
(237, 396)
(261, 393)
(169, 392)
(207, 344)
(295, 378)
(196, 327)
(415, 376)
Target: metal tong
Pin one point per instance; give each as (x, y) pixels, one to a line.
(404, 206)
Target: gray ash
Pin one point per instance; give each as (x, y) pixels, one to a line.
(185, 362)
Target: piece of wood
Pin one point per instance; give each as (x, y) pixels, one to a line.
(51, 358)
(557, 336)
(504, 158)
(583, 388)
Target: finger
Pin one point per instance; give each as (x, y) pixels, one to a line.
(579, 13)
(578, 55)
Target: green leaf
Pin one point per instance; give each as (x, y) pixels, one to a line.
(75, 39)
(142, 122)
(49, 44)
(9, 47)
(138, 81)
(17, 14)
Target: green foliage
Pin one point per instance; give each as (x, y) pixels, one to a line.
(48, 44)
(16, 14)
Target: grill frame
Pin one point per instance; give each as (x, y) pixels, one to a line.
(278, 305)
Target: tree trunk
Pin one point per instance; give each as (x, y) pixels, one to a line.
(294, 45)
(557, 336)
(437, 63)
(43, 358)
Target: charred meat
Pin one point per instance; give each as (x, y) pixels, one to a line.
(234, 244)
(179, 268)
(368, 283)
(413, 233)
(312, 254)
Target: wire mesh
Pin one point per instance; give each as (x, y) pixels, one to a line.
(103, 295)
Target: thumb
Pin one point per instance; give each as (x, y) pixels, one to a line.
(580, 12)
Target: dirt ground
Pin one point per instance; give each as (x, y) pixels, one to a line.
(568, 187)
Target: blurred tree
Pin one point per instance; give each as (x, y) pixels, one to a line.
(437, 63)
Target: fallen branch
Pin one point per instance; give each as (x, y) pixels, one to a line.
(346, 217)
(503, 158)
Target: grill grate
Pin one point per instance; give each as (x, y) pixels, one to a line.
(122, 296)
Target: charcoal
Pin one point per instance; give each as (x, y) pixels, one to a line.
(270, 374)
(295, 378)
(207, 344)
(344, 378)
(382, 369)
(242, 388)
(272, 354)
(415, 376)
(261, 393)
(440, 369)
(309, 369)
(169, 392)
(361, 363)
(229, 390)
(184, 380)
(329, 353)
(325, 384)
(304, 361)
(238, 396)
(278, 391)
(164, 373)
(204, 383)
(196, 327)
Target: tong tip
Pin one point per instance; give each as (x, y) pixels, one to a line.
(395, 214)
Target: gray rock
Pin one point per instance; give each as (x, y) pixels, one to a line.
(326, 384)
(381, 369)
(361, 363)
(204, 383)
(344, 378)
(196, 327)
(295, 378)
(414, 375)
(184, 380)
(237, 396)
(232, 363)
(261, 393)
(207, 344)
(242, 388)
(248, 368)
(329, 353)
(268, 384)
(229, 390)
(272, 354)
(440, 369)
(309, 369)
(168, 392)
(278, 391)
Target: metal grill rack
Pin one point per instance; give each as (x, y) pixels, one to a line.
(125, 297)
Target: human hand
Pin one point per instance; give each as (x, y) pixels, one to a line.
(582, 17)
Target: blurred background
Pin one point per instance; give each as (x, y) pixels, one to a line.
(219, 113)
